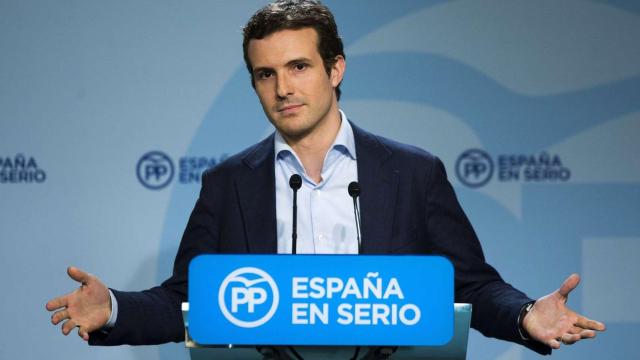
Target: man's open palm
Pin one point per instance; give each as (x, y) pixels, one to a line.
(88, 307)
(552, 322)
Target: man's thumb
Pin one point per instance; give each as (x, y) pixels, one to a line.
(78, 275)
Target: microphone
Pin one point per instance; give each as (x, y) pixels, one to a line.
(295, 182)
(354, 192)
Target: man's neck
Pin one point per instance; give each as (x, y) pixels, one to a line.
(313, 147)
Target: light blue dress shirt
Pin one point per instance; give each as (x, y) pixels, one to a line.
(326, 221)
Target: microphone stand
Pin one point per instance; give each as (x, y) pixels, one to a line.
(295, 182)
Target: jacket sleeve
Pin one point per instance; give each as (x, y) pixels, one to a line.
(496, 304)
(154, 316)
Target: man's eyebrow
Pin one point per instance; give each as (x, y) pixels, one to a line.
(298, 61)
(258, 70)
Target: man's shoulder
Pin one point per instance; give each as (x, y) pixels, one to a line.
(248, 158)
(411, 152)
(397, 151)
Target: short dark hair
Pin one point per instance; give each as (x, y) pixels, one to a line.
(294, 15)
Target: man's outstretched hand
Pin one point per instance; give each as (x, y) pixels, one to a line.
(87, 307)
(551, 322)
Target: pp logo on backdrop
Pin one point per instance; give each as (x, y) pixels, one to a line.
(248, 297)
(155, 170)
(474, 168)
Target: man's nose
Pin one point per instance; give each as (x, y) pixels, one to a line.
(283, 86)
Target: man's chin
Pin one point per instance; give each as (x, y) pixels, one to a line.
(293, 133)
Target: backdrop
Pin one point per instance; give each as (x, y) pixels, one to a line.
(110, 110)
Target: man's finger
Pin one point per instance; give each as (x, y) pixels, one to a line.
(78, 275)
(57, 303)
(59, 316)
(587, 334)
(589, 324)
(568, 285)
(554, 343)
(569, 339)
(68, 326)
(83, 333)
(575, 330)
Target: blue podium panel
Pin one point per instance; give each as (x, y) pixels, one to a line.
(321, 300)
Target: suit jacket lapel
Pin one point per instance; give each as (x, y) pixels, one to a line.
(379, 183)
(378, 179)
(255, 189)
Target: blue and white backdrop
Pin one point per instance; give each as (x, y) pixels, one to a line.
(533, 105)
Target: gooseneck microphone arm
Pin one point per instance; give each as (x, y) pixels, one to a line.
(354, 192)
(295, 182)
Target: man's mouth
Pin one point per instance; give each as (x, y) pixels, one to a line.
(289, 108)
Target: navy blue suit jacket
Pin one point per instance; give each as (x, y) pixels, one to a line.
(407, 207)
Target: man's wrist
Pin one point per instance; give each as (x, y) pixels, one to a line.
(526, 308)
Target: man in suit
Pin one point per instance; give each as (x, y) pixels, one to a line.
(296, 61)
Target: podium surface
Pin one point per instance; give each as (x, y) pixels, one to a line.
(456, 349)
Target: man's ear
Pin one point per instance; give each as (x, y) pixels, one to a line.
(337, 70)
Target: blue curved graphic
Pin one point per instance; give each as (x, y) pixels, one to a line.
(527, 124)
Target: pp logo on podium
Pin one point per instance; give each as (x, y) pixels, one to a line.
(248, 297)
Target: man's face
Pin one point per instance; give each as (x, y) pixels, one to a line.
(294, 89)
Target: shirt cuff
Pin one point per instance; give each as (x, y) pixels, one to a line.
(114, 313)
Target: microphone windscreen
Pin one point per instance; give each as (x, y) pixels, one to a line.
(295, 182)
(354, 189)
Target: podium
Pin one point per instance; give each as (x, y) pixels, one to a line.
(324, 307)
(456, 349)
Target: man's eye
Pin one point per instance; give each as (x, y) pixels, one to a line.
(300, 66)
(265, 74)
